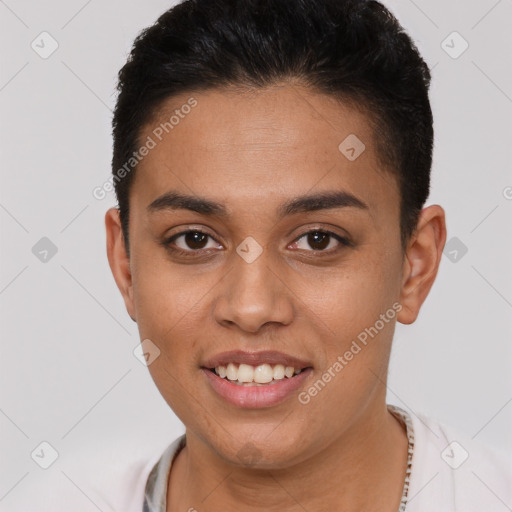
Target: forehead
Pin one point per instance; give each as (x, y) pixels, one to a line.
(281, 141)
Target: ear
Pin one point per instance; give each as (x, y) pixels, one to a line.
(118, 259)
(421, 262)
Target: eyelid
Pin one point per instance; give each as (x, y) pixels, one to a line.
(344, 241)
(167, 240)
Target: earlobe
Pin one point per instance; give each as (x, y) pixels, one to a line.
(421, 262)
(118, 259)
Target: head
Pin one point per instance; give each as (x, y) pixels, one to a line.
(276, 160)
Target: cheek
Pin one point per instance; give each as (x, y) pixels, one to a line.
(168, 308)
(357, 338)
(352, 296)
(361, 319)
(164, 294)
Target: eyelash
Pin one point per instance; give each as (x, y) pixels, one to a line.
(345, 242)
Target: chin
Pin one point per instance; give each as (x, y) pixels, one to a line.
(249, 452)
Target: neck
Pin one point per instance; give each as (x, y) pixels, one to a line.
(362, 469)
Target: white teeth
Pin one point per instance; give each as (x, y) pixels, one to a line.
(278, 372)
(231, 372)
(289, 371)
(261, 374)
(245, 373)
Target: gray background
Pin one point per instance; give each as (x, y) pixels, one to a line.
(68, 375)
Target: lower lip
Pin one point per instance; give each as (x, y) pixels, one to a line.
(256, 397)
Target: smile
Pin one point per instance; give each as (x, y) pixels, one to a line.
(261, 375)
(255, 379)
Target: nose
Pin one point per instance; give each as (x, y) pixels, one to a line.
(253, 294)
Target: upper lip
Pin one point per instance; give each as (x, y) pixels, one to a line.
(271, 357)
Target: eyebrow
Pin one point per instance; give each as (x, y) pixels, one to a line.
(173, 200)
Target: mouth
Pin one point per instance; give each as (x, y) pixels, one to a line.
(261, 375)
(255, 380)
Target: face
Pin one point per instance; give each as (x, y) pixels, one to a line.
(287, 254)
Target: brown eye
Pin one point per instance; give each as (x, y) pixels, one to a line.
(190, 241)
(195, 239)
(320, 241)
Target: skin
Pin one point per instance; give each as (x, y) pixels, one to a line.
(252, 152)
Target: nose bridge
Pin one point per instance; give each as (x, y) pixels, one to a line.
(252, 294)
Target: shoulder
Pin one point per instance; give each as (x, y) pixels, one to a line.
(90, 481)
(451, 471)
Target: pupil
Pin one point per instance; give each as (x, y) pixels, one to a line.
(317, 240)
(313, 238)
(195, 239)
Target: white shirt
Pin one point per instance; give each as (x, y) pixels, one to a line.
(450, 472)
